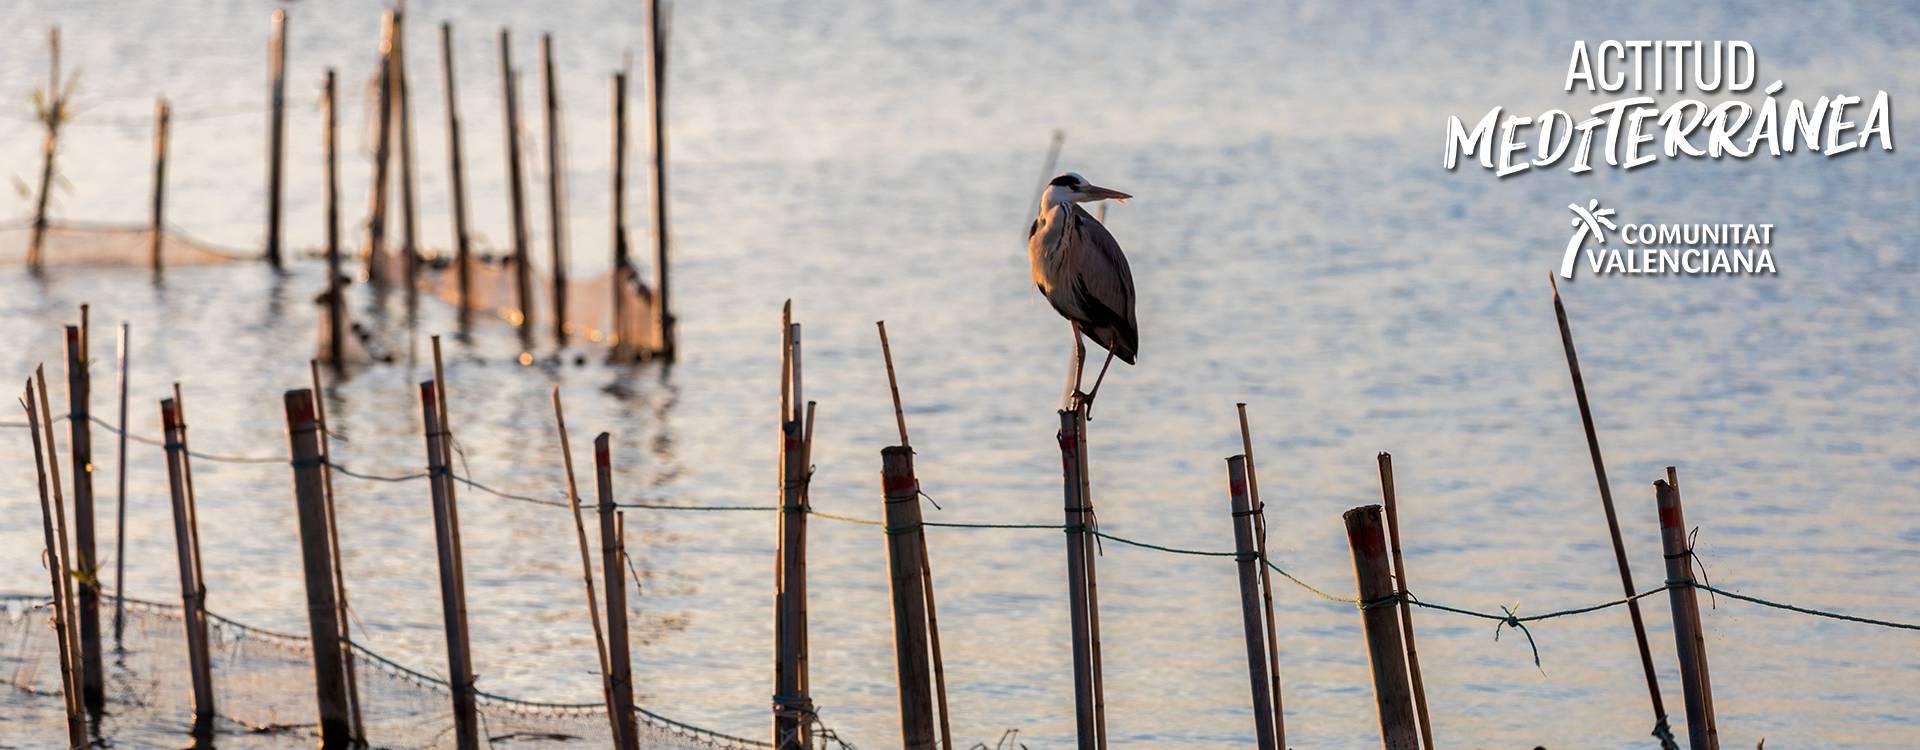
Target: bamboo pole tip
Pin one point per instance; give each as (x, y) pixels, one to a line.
(299, 402)
(1555, 283)
(279, 15)
(1384, 457)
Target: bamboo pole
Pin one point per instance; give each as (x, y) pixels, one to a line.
(1392, 698)
(70, 616)
(1699, 633)
(193, 590)
(911, 664)
(403, 110)
(336, 336)
(52, 518)
(1389, 500)
(556, 191)
(276, 130)
(893, 386)
(375, 256)
(453, 605)
(55, 106)
(1690, 643)
(120, 504)
(612, 548)
(664, 338)
(622, 267)
(339, 570)
(1266, 576)
(80, 447)
(1251, 619)
(522, 279)
(1660, 728)
(462, 251)
(316, 561)
(446, 459)
(586, 574)
(1079, 524)
(926, 559)
(793, 706)
(1088, 558)
(157, 227)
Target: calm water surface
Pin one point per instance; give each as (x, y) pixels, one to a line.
(1296, 246)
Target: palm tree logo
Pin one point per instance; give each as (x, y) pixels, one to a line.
(1586, 222)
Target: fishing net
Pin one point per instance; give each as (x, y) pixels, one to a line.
(264, 695)
(592, 312)
(100, 244)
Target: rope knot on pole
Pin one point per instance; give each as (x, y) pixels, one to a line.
(1513, 621)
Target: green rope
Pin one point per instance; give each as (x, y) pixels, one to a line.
(1807, 611)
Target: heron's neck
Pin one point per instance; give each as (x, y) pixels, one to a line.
(1053, 196)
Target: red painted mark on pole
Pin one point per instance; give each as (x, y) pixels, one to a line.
(899, 483)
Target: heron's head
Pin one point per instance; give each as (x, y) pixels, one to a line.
(1072, 188)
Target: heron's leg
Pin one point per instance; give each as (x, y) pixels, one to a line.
(1076, 365)
(1087, 399)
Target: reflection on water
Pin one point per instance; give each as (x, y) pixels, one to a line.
(1295, 245)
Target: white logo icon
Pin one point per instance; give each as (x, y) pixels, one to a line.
(1586, 222)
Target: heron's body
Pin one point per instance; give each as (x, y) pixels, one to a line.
(1081, 270)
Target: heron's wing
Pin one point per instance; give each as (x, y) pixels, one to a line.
(1104, 282)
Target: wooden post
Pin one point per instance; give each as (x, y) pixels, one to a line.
(1699, 634)
(612, 548)
(1081, 604)
(53, 528)
(656, 111)
(1660, 729)
(586, 576)
(926, 559)
(329, 678)
(522, 280)
(453, 604)
(1689, 641)
(462, 252)
(55, 104)
(120, 513)
(556, 191)
(1252, 620)
(157, 228)
(1398, 730)
(276, 130)
(1389, 499)
(911, 667)
(193, 590)
(622, 268)
(336, 336)
(403, 106)
(80, 444)
(376, 252)
(1266, 576)
(339, 570)
(792, 702)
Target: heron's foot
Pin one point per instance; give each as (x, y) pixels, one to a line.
(1084, 401)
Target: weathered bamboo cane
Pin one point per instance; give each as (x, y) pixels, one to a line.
(1681, 595)
(522, 278)
(1079, 526)
(1090, 553)
(893, 386)
(276, 130)
(911, 664)
(612, 549)
(664, 339)
(792, 705)
(336, 306)
(453, 605)
(1266, 575)
(1660, 729)
(623, 350)
(333, 543)
(329, 677)
(462, 252)
(1389, 500)
(70, 608)
(80, 446)
(120, 512)
(1391, 696)
(57, 568)
(375, 255)
(586, 574)
(1699, 634)
(55, 112)
(403, 112)
(446, 459)
(556, 190)
(157, 225)
(926, 559)
(193, 590)
(1251, 619)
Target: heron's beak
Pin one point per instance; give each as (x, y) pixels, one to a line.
(1095, 192)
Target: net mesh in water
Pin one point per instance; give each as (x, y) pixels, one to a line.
(264, 695)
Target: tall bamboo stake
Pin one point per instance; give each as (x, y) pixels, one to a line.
(193, 590)
(1689, 642)
(120, 512)
(376, 252)
(657, 112)
(1079, 523)
(70, 614)
(333, 543)
(1249, 563)
(462, 252)
(1699, 633)
(403, 109)
(1660, 729)
(926, 559)
(622, 268)
(556, 191)
(1390, 501)
(330, 687)
(157, 227)
(522, 278)
(336, 306)
(586, 574)
(612, 549)
(55, 105)
(911, 665)
(793, 706)
(80, 446)
(52, 518)
(1266, 576)
(453, 605)
(1392, 698)
(276, 130)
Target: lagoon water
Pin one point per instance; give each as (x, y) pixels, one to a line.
(1296, 245)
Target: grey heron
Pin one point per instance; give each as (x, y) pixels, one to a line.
(1082, 272)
